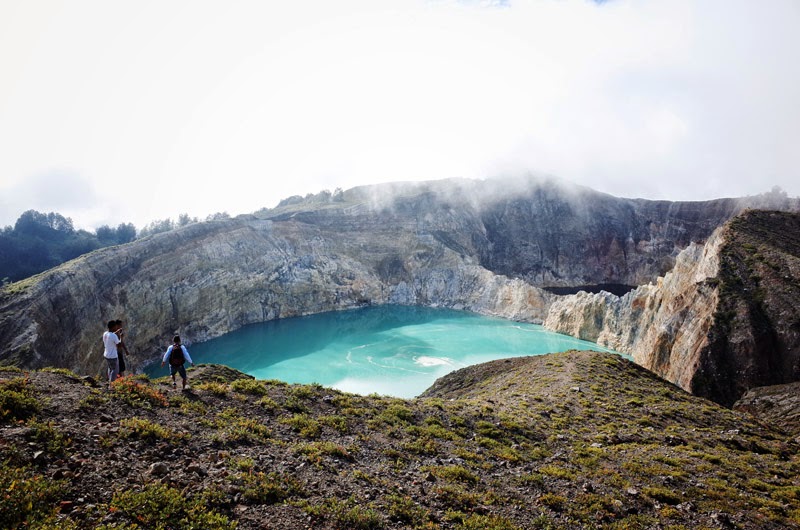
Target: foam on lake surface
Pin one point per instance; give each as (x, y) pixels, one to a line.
(393, 350)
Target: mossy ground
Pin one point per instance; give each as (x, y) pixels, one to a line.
(572, 440)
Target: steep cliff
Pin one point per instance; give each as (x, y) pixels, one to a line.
(483, 246)
(725, 319)
(211, 278)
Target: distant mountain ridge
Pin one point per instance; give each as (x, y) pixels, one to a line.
(484, 246)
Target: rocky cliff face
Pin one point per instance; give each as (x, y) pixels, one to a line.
(483, 246)
(722, 321)
(208, 279)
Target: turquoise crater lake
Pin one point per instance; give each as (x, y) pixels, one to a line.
(392, 350)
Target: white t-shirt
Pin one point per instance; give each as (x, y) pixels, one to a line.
(110, 340)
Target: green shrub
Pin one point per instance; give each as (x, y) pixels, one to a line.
(307, 426)
(161, 507)
(403, 509)
(662, 495)
(316, 450)
(348, 514)
(397, 414)
(455, 474)
(268, 403)
(62, 371)
(457, 497)
(186, 405)
(272, 488)
(217, 389)
(27, 499)
(553, 501)
(339, 423)
(557, 472)
(243, 463)
(93, 401)
(487, 522)
(144, 429)
(249, 386)
(16, 400)
(238, 429)
(55, 441)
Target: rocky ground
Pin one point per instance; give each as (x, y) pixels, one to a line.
(571, 440)
(778, 404)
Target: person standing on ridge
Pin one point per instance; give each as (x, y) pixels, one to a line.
(121, 348)
(177, 356)
(110, 341)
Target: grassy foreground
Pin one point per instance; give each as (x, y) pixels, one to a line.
(567, 440)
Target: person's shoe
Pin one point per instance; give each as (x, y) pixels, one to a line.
(187, 387)
(174, 384)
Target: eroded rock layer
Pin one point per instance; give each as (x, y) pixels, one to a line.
(725, 319)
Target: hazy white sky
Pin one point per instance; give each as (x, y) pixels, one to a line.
(115, 111)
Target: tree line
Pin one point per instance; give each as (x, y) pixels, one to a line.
(40, 241)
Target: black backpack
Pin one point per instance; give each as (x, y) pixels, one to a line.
(176, 355)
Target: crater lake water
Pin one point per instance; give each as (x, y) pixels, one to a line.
(393, 350)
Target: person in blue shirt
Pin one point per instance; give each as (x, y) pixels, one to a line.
(177, 355)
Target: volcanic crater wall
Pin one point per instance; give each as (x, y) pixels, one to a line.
(723, 321)
(483, 246)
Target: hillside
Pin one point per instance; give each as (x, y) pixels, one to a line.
(571, 440)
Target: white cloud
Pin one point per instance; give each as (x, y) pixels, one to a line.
(209, 106)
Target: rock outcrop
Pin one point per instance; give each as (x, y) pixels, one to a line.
(778, 405)
(483, 246)
(725, 319)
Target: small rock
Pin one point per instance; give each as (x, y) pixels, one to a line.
(722, 519)
(587, 487)
(686, 507)
(158, 469)
(633, 492)
(197, 470)
(576, 389)
(327, 399)
(430, 478)
(38, 456)
(597, 445)
(91, 381)
(66, 506)
(58, 474)
(674, 440)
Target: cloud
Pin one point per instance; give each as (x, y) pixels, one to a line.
(235, 107)
(63, 191)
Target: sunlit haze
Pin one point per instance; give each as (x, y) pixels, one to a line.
(135, 111)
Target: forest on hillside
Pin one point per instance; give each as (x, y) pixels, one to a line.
(40, 241)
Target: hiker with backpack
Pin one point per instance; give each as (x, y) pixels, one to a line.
(177, 355)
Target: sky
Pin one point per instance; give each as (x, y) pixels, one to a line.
(131, 111)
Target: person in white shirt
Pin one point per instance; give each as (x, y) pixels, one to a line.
(177, 355)
(110, 341)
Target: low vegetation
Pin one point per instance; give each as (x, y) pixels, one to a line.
(573, 440)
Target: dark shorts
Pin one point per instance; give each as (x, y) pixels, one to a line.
(181, 369)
